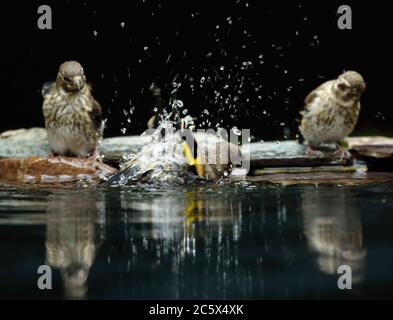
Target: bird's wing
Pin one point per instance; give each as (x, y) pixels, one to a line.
(47, 88)
(96, 116)
(130, 171)
(313, 94)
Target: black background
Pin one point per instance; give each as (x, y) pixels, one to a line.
(299, 40)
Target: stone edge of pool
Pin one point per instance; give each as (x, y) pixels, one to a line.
(23, 153)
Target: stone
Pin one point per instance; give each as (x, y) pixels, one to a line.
(24, 143)
(58, 170)
(322, 178)
(291, 154)
(376, 152)
(113, 149)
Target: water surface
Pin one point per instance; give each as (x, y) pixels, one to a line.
(242, 241)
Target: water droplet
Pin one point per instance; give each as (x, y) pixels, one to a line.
(179, 103)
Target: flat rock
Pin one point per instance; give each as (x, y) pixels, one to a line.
(113, 149)
(372, 147)
(24, 143)
(58, 170)
(323, 178)
(376, 152)
(291, 154)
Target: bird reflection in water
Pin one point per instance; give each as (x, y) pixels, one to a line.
(333, 229)
(190, 237)
(73, 235)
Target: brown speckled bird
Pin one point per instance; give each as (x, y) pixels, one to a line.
(73, 118)
(331, 111)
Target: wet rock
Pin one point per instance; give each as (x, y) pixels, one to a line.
(23, 143)
(113, 149)
(59, 170)
(376, 152)
(290, 154)
(323, 178)
(370, 141)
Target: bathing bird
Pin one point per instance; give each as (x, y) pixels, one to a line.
(73, 118)
(331, 112)
(178, 158)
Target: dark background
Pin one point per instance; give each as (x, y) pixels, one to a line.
(259, 59)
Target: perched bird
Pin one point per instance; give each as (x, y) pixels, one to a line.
(73, 118)
(331, 111)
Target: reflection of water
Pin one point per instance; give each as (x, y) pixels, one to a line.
(333, 229)
(212, 241)
(72, 238)
(219, 242)
(189, 235)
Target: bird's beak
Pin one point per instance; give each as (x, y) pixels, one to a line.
(78, 82)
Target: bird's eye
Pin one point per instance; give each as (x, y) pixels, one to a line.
(67, 79)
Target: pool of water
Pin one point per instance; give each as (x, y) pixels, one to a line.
(240, 241)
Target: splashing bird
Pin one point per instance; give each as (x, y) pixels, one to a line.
(179, 158)
(73, 118)
(331, 112)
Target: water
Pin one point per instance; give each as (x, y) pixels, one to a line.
(205, 242)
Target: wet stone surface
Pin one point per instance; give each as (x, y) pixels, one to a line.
(23, 159)
(59, 170)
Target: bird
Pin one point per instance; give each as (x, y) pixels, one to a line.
(331, 112)
(179, 158)
(73, 118)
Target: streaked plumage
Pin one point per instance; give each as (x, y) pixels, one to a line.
(331, 111)
(73, 118)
